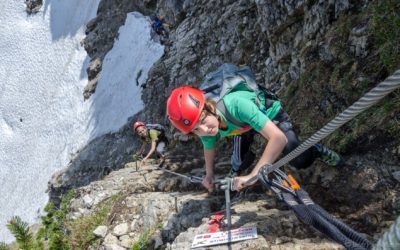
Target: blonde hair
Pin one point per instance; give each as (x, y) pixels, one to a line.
(210, 108)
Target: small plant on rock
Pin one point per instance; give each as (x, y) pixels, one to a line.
(20, 230)
(54, 223)
(4, 246)
(144, 240)
(81, 230)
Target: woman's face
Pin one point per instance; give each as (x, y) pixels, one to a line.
(208, 126)
(142, 131)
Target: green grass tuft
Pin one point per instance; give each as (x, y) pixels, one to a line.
(20, 230)
(144, 240)
(81, 230)
(4, 246)
(386, 31)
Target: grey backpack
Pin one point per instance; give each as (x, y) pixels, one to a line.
(155, 126)
(224, 80)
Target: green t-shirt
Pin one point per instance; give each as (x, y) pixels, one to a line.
(153, 136)
(241, 104)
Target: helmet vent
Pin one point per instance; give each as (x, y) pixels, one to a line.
(195, 101)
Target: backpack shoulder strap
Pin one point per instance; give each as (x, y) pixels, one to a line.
(222, 108)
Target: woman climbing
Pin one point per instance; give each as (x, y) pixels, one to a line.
(152, 134)
(191, 113)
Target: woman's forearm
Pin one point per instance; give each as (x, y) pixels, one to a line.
(270, 154)
(152, 150)
(142, 148)
(276, 144)
(209, 156)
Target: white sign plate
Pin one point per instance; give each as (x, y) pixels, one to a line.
(243, 233)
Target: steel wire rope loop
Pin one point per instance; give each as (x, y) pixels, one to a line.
(373, 96)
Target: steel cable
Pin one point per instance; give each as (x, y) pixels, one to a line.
(373, 96)
(391, 239)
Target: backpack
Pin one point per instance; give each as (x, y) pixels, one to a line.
(222, 81)
(162, 137)
(156, 126)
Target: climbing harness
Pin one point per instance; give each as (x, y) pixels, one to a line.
(290, 192)
(373, 96)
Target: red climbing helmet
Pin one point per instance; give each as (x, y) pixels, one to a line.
(138, 124)
(184, 107)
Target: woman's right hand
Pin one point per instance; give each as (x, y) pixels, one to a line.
(208, 182)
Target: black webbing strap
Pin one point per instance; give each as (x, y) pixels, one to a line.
(222, 108)
(344, 228)
(288, 190)
(324, 227)
(270, 98)
(312, 214)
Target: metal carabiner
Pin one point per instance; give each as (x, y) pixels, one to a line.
(280, 183)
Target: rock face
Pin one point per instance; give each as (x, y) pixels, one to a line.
(148, 201)
(103, 29)
(319, 56)
(175, 210)
(96, 160)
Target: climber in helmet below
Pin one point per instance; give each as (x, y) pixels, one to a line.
(191, 113)
(153, 134)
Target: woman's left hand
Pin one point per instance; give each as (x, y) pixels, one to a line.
(240, 182)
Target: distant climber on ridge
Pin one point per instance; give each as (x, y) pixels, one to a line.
(160, 26)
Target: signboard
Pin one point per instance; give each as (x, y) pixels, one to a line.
(243, 233)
